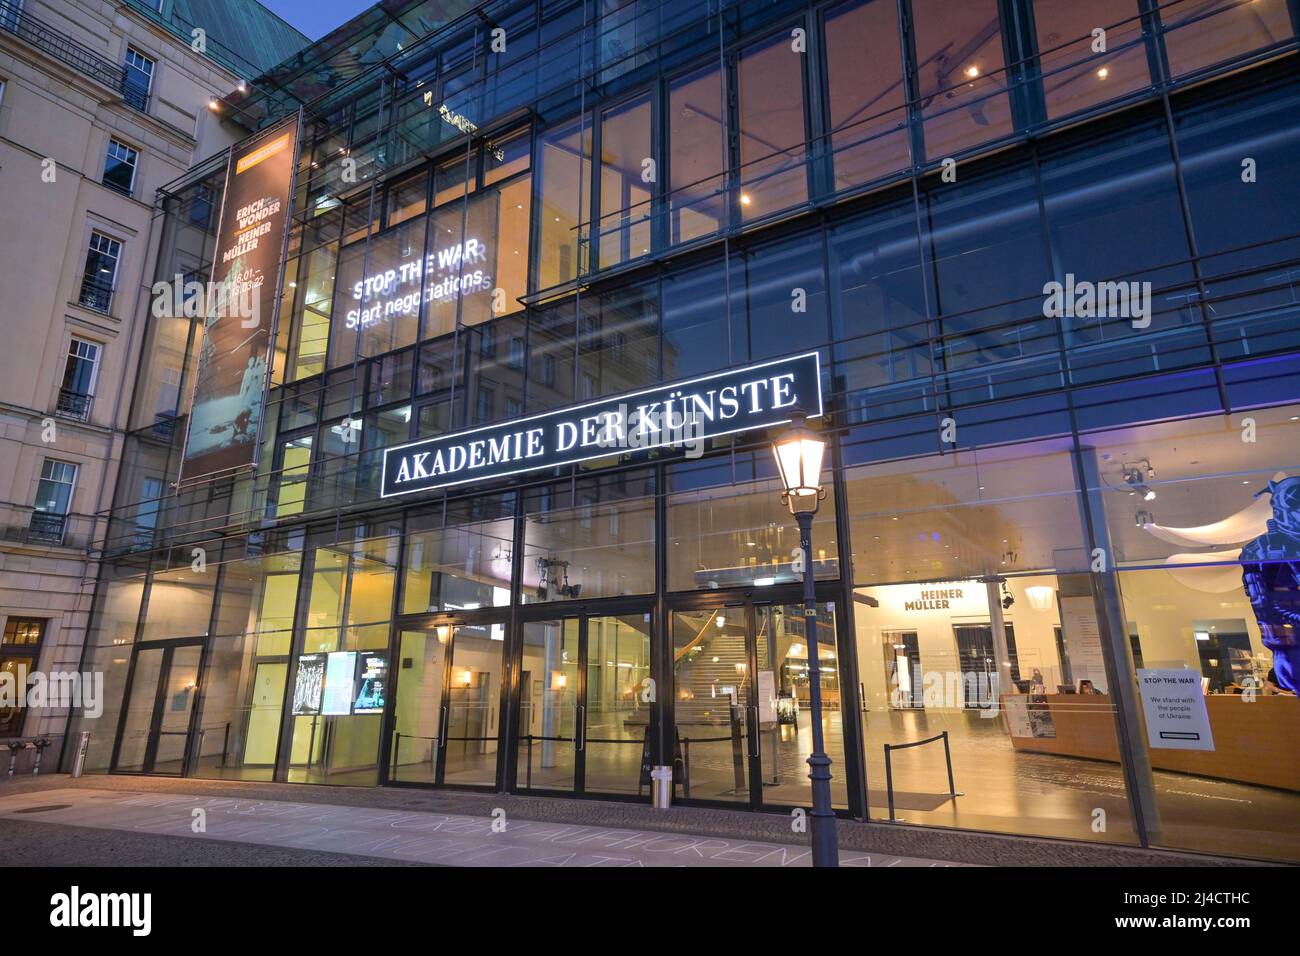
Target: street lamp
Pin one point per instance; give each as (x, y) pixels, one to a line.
(799, 451)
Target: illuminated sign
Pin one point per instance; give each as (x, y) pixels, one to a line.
(452, 118)
(451, 271)
(340, 676)
(667, 416)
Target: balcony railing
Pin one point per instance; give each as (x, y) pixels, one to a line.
(47, 528)
(95, 295)
(70, 52)
(135, 95)
(73, 405)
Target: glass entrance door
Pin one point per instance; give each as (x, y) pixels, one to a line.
(447, 706)
(741, 703)
(156, 723)
(584, 709)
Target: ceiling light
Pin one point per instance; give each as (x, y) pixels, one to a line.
(1103, 73)
(1040, 597)
(972, 71)
(745, 200)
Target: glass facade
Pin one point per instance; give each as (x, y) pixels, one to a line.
(1063, 400)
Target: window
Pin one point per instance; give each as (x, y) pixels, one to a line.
(1202, 529)
(960, 74)
(79, 375)
(625, 192)
(879, 315)
(1201, 33)
(1092, 190)
(695, 322)
(771, 108)
(19, 651)
(630, 316)
(573, 550)
(698, 155)
(9, 11)
(119, 167)
(24, 630)
(101, 272)
(53, 501)
(2, 92)
(1074, 77)
(408, 199)
(138, 80)
(146, 517)
(200, 210)
(866, 95)
(725, 527)
(1249, 258)
(564, 178)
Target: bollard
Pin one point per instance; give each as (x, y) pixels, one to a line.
(14, 747)
(83, 745)
(661, 787)
(40, 746)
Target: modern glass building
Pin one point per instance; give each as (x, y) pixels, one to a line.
(1046, 255)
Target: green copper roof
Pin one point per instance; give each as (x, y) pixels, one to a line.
(242, 35)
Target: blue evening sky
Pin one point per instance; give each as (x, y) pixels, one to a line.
(317, 17)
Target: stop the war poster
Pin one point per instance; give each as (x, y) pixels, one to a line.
(240, 305)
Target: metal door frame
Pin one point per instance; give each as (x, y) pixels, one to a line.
(168, 647)
(750, 599)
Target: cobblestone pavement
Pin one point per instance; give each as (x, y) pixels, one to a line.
(397, 835)
(878, 839)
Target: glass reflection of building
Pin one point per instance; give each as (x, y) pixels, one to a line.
(1028, 512)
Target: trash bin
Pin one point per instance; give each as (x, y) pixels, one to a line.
(661, 785)
(83, 744)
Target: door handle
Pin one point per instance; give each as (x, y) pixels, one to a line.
(442, 729)
(754, 712)
(582, 726)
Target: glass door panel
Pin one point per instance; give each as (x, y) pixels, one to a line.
(548, 705)
(421, 677)
(133, 743)
(156, 728)
(473, 692)
(617, 719)
(712, 697)
(784, 708)
(177, 706)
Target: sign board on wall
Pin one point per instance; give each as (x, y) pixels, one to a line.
(1083, 640)
(340, 675)
(1174, 706)
(240, 305)
(372, 682)
(307, 685)
(767, 697)
(666, 416)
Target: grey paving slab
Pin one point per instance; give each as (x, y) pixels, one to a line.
(403, 835)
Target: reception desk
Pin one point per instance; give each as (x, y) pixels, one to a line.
(1256, 743)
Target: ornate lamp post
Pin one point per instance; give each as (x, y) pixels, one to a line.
(799, 451)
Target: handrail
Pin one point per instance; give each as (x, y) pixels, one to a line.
(62, 47)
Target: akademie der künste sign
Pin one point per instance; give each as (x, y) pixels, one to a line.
(725, 403)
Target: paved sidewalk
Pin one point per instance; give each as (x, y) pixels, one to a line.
(399, 836)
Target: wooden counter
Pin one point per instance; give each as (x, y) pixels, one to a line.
(1256, 743)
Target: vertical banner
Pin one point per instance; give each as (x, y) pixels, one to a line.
(240, 305)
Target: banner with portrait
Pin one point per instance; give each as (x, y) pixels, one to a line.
(239, 305)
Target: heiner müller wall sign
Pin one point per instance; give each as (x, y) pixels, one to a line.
(667, 416)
